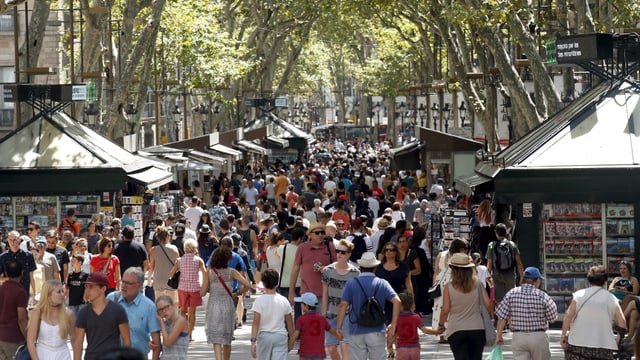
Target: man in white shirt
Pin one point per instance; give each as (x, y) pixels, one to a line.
(329, 185)
(438, 188)
(374, 205)
(193, 213)
(250, 194)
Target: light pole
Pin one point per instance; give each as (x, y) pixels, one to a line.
(421, 111)
(131, 110)
(462, 111)
(377, 109)
(176, 119)
(401, 109)
(435, 111)
(91, 111)
(446, 114)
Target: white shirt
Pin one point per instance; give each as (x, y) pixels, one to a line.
(374, 205)
(289, 260)
(251, 194)
(437, 188)
(329, 185)
(193, 214)
(272, 308)
(190, 234)
(592, 324)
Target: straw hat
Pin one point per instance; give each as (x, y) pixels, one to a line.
(461, 260)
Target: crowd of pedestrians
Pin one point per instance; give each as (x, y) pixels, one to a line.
(316, 240)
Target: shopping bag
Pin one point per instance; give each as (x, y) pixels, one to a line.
(495, 354)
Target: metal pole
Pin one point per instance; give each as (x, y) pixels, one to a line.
(16, 52)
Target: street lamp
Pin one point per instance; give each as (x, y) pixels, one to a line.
(435, 111)
(377, 109)
(462, 110)
(131, 110)
(446, 114)
(176, 119)
(401, 110)
(421, 111)
(91, 111)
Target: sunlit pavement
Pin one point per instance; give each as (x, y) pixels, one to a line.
(241, 348)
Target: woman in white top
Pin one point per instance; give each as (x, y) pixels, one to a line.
(50, 325)
(589, 319)
(273, 258)
(483, 273)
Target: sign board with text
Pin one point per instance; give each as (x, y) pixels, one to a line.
(582, 48)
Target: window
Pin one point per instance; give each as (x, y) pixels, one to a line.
(6, 23)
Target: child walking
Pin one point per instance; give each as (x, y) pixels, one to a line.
(312, 326)
(75, 284)
(407, 339)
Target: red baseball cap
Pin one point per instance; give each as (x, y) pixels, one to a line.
(98, 278)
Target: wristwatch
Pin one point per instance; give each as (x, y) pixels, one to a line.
(253, 340)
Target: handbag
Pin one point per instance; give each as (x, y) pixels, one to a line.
(435, 291)
(23, 353)
(173, 281)
(489, 328)
(150, 293)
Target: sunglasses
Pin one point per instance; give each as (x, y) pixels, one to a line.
(110, 245)
(343, 252)
(389, 250)
(320, 232)
(30, 229)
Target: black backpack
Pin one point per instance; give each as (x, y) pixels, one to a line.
(371, 313)
(504, 255)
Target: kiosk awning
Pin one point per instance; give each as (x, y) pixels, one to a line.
(274, 140)
(406, 157)
(252, 147)
(235, 154)
(151, 177)
(474, 184)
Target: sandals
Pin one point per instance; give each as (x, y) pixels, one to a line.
(392, 355)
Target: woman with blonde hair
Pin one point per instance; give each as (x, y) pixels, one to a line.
(50, 325)
(486, 233)
(189, 297)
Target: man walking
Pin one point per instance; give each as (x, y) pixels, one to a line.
(13, 311)
(25, 259)
(367, 342)
(60, 253)
(103, 321)
(503, 258)
(131, 253)
(141, 312)
(530, 311)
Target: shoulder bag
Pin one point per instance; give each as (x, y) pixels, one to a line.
(173, 281)
(223, 283)
(435, 291)
(489, 328)
(284, 254)
(105, 269)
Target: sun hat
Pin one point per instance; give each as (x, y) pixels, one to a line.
(316, 226)
(368, 260)
(41, 242)
(205, 229)
(308, 298)
(98, 278)
(461, 260)
(383, 224)
(532, 272)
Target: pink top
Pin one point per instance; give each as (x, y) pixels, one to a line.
(306, 256)
(189, 265)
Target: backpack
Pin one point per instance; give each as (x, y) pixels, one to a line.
(503, 254)
(371, 313)
(359, 247)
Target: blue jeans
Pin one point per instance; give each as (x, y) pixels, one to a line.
(272, 346)
(330, 339)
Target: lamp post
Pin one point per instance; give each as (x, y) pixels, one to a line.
(446, 114)
(401, 109)
(435, 112)
(462, 111)
(91, 111)
(131, 110)
(377, 109)
(176, 119)
(421, 111)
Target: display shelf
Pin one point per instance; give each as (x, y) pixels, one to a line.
(620, 236)
(42, 209)
(84, 205)
(6, 214)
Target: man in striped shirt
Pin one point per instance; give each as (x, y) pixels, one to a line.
(530, 310)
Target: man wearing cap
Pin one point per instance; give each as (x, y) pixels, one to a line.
(178, 242)
(311, 257)
(379, 227)
(367, 342)
(103, 322)
(530, 311)
(48, 261)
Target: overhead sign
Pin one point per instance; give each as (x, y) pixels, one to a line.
(281, 102)
(78, 92)
(582, 48)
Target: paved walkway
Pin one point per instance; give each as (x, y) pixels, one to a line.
(241, 349)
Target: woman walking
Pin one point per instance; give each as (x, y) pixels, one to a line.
(107, 263)
(442, 275)
(189, 287)
(162, 258)
(221, 311)
(461, 310)
(586, 328)
(50, 325)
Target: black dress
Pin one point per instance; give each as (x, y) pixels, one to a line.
(421, 282)
(396, 279)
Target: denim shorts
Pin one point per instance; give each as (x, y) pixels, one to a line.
(330, 339)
